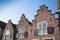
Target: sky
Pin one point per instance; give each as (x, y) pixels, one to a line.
(13, 9)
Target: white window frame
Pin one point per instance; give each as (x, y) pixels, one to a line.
(22, 33)
(42, 28)
(49, 38)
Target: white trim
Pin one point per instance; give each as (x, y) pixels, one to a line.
(57, 10)
(20, 32)
(49, 38)
(42, 26)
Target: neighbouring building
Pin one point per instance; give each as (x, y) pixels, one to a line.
(44, 27)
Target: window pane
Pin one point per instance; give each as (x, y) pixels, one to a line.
(40, 32)
(19, 35)
(40, 25)
(19, 30)
(7, 37)
(44, 30)
(22, 30)
(22, 34)
(44, 24)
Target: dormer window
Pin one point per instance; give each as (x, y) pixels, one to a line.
(42, 28)
(21, 32)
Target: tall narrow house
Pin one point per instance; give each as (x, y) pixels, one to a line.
(8, 32)
(45, 26)
(24, 29)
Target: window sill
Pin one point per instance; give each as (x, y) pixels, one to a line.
(21, 37)
(43, 34)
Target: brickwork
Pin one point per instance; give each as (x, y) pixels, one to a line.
(43, 14)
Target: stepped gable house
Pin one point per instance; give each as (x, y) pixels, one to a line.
(43, 27)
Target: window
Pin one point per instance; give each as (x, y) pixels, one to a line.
(42, 28)
(21, 32)
(7, 34)
(7, 37)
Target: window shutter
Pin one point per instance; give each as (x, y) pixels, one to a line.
(50, 30)
(25, 34)
(36, 32)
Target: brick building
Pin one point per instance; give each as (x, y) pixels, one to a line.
(44, 27)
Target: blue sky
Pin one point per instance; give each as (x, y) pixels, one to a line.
(12, 9)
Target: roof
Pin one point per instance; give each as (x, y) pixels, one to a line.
(3, 25)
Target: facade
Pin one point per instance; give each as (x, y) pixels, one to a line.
(43, 27)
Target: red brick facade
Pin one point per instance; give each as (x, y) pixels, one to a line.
(29, 33)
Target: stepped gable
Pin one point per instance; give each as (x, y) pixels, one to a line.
(24, 19)
(43, 10)
(11, 24)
